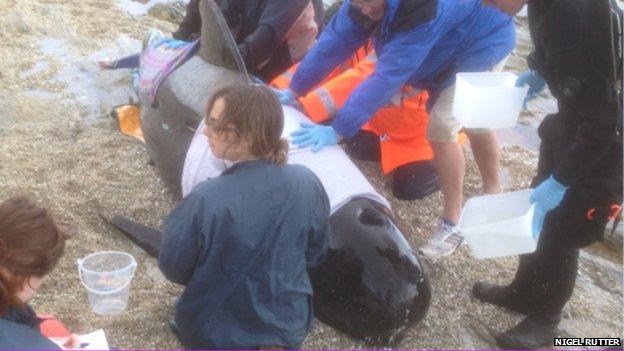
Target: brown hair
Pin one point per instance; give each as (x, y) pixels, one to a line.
(30, 246)
(253, 111)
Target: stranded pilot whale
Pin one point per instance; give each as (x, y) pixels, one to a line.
(371, 284)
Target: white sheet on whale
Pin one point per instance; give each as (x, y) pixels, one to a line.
(342, 180)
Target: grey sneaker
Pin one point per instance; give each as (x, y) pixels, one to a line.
(443, 241)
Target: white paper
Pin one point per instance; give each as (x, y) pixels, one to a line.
(95, 340)
(340, 177)
(92, 341)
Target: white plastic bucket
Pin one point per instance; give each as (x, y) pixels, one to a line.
(106, 276)
(488, 99)
(499, 225)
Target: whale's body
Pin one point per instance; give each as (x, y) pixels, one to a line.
(371, 285)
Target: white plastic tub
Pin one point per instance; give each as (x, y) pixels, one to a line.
(488, 100)
(499, 225)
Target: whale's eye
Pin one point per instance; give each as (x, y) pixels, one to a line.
(368, 216)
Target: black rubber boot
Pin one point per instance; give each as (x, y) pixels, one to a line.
(190, 27)
(501, 296)
(532, 333)
(364, 146)
(184, 34)
(415, 180)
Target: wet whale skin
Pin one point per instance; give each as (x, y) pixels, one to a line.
(370, 285)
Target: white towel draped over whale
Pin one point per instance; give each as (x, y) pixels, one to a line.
(341, 178)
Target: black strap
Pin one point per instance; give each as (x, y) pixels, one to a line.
(413, 13)
(358, 17)
(617, 17)
(616, 222)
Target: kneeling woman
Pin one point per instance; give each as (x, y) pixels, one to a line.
(242, 242)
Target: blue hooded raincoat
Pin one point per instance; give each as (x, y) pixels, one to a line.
(422, 43)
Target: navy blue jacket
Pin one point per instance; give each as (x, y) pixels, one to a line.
(19, 331)
(421, 43)
(242, 243)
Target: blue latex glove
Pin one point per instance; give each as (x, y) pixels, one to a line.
(285, 96)
(315, 135)
(175, 44)
(535, 82)
(257, 80)
(546, 197)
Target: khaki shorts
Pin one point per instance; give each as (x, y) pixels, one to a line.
(443, 127)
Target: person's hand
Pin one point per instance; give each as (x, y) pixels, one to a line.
(315, 135)
(107, 63)
(285, 96)
(535, 82)
(546, 197)
(67, 343)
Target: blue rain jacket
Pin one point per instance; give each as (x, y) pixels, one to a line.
(242, 243)
(422, 43)
(19, 330)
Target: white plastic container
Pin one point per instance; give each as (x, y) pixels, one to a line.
(499, 225)
(488, 100)
(107, 276)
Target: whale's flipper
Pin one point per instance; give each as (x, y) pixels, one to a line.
(144, 237)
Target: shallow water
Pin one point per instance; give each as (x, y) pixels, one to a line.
(96, 91)
(39, 67)
(136, 8)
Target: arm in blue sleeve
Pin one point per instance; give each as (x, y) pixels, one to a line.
(340, 39)
(400, 59)
(181, 240)
(318, 236)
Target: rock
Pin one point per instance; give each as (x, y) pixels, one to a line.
(476, 335)
(586, 328)
(5, 109)
(605, 274)
(167, 12)
(615, 236)
(20, 25)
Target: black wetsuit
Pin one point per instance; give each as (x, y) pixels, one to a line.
(581, 144)
(259, 28)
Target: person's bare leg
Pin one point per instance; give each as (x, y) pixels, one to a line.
(451, 167)
(487, 156)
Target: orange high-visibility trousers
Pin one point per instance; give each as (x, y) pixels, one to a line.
(401, 125)
(283, 80)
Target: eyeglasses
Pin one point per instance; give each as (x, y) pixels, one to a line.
(222, 135)
(211, 121)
